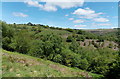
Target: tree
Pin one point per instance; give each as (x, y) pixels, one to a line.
(100, 39)
(114, 70)
(69, 39)
(74, 46)
(80, 38)
(7, 34)
(58, 58)
(81, 32)
(83, 64)
(70, 59)
(100, 64)
(7, 30)
(5, 43)
(76, 60)
(36, 49)
(52, 44)
(21, 44)
(70, 30)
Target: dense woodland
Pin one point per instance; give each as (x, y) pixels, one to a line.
(96, 53)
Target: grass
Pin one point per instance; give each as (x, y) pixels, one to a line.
(19, 65)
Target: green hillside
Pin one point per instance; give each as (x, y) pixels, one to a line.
(19, 65)
(75, 52)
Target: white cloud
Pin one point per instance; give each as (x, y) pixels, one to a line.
(79, 21)
(80, 26)
(66, 5)
(71, 18)
(87, 13)
(101, 20)
(19, 14)
(52, 5)
(46, 7)
(49, 7)
(102, 24)
(66, 15)
(33, 3)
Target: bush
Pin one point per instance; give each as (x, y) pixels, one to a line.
(58, 58)
(69, 39)
(114, 69)
(70, 59)
(37, 49)
(70, 30)
(83, 64)
(74, 46)
(6, 43)
(80, 38)
(100, 39)
(81, 32)
(21, 44)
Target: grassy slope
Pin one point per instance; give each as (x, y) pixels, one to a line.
(19, 65)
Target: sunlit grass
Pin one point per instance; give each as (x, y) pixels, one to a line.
(19, 65)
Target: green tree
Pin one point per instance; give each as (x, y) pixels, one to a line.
(21, 42)
(36, 49)
(52, 44)
(83, 64)
(114, 70)
(70, 30)
(81, 32)
(80, 38)
(74, 46)
(58, 58)
(7, 34)
(69, 39)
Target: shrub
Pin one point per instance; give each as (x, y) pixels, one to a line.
(58, 58)
(74, 46)
(80, 38)
(69, 39)
(70, 30)
(37, 49)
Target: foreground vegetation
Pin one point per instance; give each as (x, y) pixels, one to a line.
(96, 53)
(19, 65)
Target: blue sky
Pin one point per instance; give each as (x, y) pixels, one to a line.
(83, 15)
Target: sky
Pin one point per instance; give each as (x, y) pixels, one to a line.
(75, 15)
